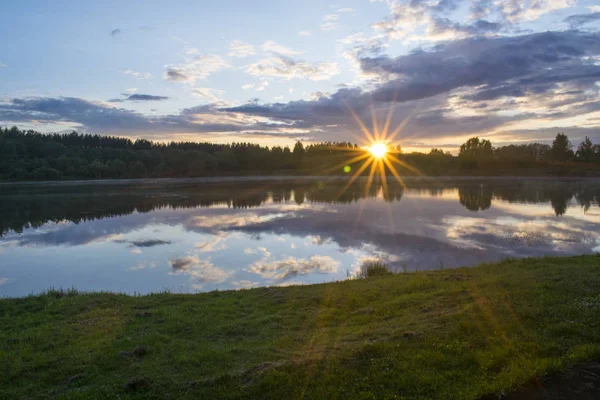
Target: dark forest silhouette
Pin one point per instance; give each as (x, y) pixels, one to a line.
(29, 155)
(28, 206)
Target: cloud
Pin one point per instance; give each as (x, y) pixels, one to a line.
(196, 67)
(3, 65)
(449, 90)
(423, 20)
(138, 75)
(212, 245)
(576, 21)
(292, 267)
(238, 48)
(208, 93)
(272, 47)
(115, 32)
(201, 271)
(330, 22)
(345, 10)
(259, 87)
(139, 97)
(305, 33)
(3, 281)
(150, 242)
(285, 67)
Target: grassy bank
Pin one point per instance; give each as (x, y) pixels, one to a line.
(452, 334)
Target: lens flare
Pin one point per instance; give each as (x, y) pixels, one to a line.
(378, 150)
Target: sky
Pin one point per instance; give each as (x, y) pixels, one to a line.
(274, 72)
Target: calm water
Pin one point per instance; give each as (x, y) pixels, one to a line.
(189, 236)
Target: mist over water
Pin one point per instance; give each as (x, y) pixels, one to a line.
(189, 236)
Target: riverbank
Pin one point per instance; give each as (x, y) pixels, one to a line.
(462, 333)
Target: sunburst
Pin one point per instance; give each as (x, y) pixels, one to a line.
(380, 156)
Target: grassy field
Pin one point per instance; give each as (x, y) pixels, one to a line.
(451, 334)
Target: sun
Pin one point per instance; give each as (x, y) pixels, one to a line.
(378, 150)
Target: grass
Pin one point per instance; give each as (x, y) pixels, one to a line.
(452, 334)
(371, 269)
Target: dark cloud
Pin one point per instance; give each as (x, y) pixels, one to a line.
(480, 27)
(115, 32)
(578, 20)
(489, 67)
(480, 73)
(177, 75)
(183, 263)
(139, 97)
(145, 243)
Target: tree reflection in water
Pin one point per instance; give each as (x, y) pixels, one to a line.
(24, 206)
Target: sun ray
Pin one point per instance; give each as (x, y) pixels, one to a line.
(404, 165)
(383, 176)
(376, 132)
(364, 166)
(370, 179)
(386, 126)
(357, 158)
(362, 126)
(394, 172)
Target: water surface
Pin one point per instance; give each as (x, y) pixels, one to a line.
(188, 236)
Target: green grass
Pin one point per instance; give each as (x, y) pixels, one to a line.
(371, 269)
(452, 334)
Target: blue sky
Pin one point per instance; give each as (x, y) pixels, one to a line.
(274, 72)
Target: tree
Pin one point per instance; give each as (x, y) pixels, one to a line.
(475, 151)
(298, 154)
(137, 170)
(561, 149)
(586, 150)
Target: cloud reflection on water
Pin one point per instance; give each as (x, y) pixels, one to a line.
(268, 236)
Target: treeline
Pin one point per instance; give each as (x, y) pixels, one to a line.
(30, 155)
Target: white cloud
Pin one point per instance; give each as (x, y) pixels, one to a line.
(285, 67)
(197, 67)
(131, 90)
(292, 267)
(209, 93)
(330, 22)
(138, 75)
(271, 47)
(215, 244)
(278, 98)
(238, 48)
(259, 87)
(305, 33)
(3, 64)
(594, 8)
(328, 26)
(3, 281)
(142, 266)
(201, 271)
(343, 10)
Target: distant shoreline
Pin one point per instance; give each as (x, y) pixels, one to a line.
(288, 178)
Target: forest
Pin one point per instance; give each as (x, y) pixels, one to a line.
(30, 155)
